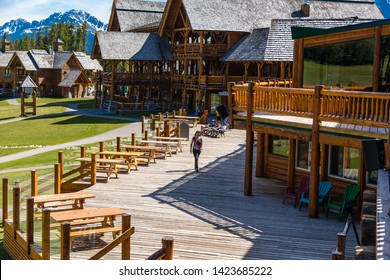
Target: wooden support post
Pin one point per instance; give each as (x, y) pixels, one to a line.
(260, 155)
(143, 124)
(93, 168)
(65, 241)
(57, 178)
(133, 139)
(22, 112)
(336, 255)
(45, 234)
(146, 136)
(34, 96)
(118, 143)
(82, 151)
(5, 199)
(153, 125)
(167, 130)
(61, 161)
(174, 113)
(29, 223)
(158, 133)
(34, 182)
(101, 146)
(315, 154)
(377, 58)
(249, 142)
(324, 162)
(230, 103)
(126, 224)
(291, 163)
(16, 208)
(177, 129)
(160, 117)
(167, 243)
(341, 237)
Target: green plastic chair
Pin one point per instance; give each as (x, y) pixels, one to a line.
(341, 204)
(323, 190)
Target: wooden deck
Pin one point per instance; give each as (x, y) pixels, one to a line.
(207, 213)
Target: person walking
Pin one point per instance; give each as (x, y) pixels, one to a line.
(196, 148)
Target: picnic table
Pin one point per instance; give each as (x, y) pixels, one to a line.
(88, 217)
(76, 200)
(149, 152)
(158, 143)
(129, 158)
(105, 165)
(178, 140)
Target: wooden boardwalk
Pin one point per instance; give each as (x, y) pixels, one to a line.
(207, 213)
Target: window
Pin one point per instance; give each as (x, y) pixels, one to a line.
(344, 162)
(303, 155)
(327, 64)
(8, 72)
(278, 145)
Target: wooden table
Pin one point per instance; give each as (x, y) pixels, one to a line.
(89, 216)
(105, 165)
(149, 152)
(179, 140)
(76, 200)
(130, 158)
(194, 120)
(166, 144)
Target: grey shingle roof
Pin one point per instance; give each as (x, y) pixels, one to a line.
(134, 13)
(28, 83)
(238, 15)
(26, 60)
(60, 59)
(275, 43)
(5, 58)
(87, 62)
(70, 78)
(42, 59)
(133, 46)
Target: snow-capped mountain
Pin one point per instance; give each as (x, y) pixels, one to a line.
(18, 28)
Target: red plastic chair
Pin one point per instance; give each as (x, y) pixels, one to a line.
(303, 187)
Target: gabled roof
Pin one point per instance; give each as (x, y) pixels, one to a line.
(133, 46)
(276, 43)
(5, 58)
(130, 14)
(244, 16)
(28, 83)
(70, 78)
(25, 59)
(60, 59)
(87, 63)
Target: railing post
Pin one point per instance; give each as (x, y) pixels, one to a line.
(45, 234)
(341, 244)
(143, 124)
(158, 133)
(29, 222)
(82, 151)
(230, 103)
(65, 241)
(178, 129)
(315, 154)
(167, 130)
(118, 143)
(5, 199)
(133, 141)
(61, 161)
(34, 182)
(57, 178)
(146, 136)
(126, 224)
(167, 243)
(249, 141)
(93, 168)
(101, 147)
(16, 208)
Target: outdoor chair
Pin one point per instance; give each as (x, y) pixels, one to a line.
(342, 204)
(303, 187)
(323, 190)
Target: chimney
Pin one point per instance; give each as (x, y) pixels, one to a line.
(5, 46)
(305, 8)
(58, 45)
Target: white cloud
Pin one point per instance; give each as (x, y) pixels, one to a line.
(40, 9)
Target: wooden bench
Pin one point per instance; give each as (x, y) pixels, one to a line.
(56, 202)
(116, 230)
(106, 166)
(129, 159)
(149, 152)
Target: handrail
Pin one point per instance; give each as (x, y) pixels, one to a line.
(339, 252)
(352, 107)
(165, 252)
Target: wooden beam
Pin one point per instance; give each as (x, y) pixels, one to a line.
(377, 58)
(298, 63)
(315, 154)
(291, 163)
(249, 142)
(260, 155)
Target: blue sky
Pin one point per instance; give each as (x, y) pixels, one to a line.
(40, 9)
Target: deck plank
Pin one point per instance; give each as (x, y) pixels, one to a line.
(207, 213)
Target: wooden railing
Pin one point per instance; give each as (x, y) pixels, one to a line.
(353, 107)
(165, 252)
(339, 252)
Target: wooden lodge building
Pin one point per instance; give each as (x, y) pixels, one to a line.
(56, 72)
(333, 132)
(207, 44)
